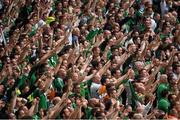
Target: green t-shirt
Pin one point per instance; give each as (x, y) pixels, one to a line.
(136, 73)
(162, 36)
(33, 79)
(162, 70)
(43, 104)
(84, 91)
(36, 117)
(109, 54)
(126, 13)
(21, 81)
(161, 88)
(88, 113)
(34, 94)
(53, 60)
(148, 62)
(1, 65)
(33, 31)
(58, 83)
(164, 105)
(29, 9)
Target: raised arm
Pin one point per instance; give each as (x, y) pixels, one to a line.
(53, 113)
(33, 108)
(88, 60)
(148, 106)
(170, 60)
(13, 101)
(143, 50)
(121, 59)
(154, 45)
(62, 103)
(58, 65)
(76, 114)
(125, 76)
(104, 68)
(86, 78)
(99, 39)
(120, 89)
(152, 75)
(58, 47)
(152, 87)
(123, 38)
(104, 57)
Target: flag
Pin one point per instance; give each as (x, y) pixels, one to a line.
(92, 34)
(134, 95)
(49, 20)
(18, 92)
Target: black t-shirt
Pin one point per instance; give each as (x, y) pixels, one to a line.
(3, 114)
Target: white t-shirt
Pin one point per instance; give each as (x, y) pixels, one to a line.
(94, 90)
(153, 24)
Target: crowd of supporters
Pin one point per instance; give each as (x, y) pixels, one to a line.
(90, 59)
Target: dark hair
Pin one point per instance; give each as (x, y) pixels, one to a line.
(113, 71)
(170, 76)
(95, 63)
(160, 115)
(114, 47)
(94, 49)
(64, 50)
(103, 79)
(108, 104)
(109, 85)
(98, 114)
(112, 57)
(27, 117)
(170, 98)
(164, 93)
(131, 114)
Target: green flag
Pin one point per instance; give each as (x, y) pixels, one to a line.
(134, 95)
(92, 34)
